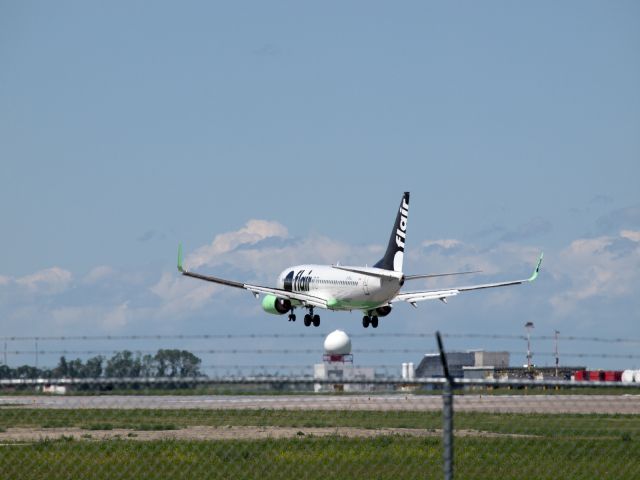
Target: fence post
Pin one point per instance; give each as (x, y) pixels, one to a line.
(447, 414)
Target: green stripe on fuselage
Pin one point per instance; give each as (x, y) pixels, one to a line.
(334, 304)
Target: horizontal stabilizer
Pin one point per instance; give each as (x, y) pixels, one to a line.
(434, 275)
(372, 271)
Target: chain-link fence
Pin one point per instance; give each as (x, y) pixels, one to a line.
(282, 426)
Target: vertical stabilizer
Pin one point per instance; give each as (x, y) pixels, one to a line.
(394, 255)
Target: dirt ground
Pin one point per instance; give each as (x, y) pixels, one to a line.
(12, 435)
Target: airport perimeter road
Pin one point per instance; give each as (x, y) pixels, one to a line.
(607, 404)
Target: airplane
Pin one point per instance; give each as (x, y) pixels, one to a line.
(373, 290)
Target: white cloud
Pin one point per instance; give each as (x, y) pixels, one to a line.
(116, 318)
(630, 235)
(596, 269)
(97, 274)
(102, 317)
(178, 294)
(505, 259)
(446, 243)
(75, 316)
(253, 232)
(269, 261)
(49, 281)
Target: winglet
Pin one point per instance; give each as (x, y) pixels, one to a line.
(537, 270)
(180, 258)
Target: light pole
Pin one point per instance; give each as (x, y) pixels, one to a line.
(529, 327)
(556, 351)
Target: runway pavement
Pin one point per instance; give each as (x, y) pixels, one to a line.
(605, 404)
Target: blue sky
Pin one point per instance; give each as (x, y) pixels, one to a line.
(289, 131)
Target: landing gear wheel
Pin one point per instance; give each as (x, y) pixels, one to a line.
(374, 321)
(316, 320)
(365, 321)
(307, 320)
(292, 317)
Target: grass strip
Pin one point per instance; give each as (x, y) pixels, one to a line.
(545, 425)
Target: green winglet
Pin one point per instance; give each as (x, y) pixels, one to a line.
(537, 270)
(180, 258)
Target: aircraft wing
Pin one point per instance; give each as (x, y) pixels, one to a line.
(413, 297)
(304, 299)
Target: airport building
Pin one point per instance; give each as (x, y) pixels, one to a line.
(482, 364)
(430, 366)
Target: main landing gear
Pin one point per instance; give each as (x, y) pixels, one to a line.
(370, 320)
(310, 318)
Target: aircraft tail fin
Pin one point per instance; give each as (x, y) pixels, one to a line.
(394, 255)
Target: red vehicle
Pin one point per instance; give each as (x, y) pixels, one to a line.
(596, 375)
(613, 376)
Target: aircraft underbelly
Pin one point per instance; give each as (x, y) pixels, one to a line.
(362, 301)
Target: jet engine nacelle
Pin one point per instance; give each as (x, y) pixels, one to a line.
(383, 311)
(275, 305)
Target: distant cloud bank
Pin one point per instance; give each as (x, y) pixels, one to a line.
(587, 274)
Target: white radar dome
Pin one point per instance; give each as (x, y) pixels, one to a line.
(337, 343)
(627, 375)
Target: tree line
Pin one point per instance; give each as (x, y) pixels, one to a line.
(125, 364)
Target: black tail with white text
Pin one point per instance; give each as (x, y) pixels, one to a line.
(394, 255)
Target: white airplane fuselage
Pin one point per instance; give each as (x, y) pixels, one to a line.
(342, 289)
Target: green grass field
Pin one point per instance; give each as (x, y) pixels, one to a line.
(548, 425)
(551, 446)
(390, 457)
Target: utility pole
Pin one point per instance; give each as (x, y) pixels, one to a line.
(529, 327)
(556, 351)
